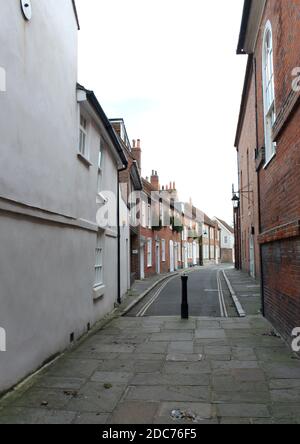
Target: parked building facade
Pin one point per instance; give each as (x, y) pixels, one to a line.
(58, 153)
(270, 36)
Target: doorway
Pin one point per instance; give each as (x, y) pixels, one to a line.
(157, 257)
(142, 263)
(171, 257)
(252, 256)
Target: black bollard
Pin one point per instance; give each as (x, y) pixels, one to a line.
(184, 304)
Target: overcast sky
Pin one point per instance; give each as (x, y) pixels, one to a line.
(169, 68)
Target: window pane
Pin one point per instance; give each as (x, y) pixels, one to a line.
(83, 122)
(82, 142)
(99, 262)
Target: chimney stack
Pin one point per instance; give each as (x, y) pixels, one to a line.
(155, 180)
(137, 153)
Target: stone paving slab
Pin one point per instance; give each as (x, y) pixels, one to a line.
(228, 372)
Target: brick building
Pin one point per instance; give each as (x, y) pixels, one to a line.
(131, 185)
(211, 241)
(161, 228)
(247, 214)
(270, 36)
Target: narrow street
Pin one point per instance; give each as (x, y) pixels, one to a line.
(207, 292)
(163, 370)
(150, 251)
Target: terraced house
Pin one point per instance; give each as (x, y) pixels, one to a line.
(270, 38)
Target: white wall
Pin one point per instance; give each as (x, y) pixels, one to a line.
(38, 113)
(125, 247)
(47, 254)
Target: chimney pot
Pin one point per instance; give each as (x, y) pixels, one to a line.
(133, 143)
(138, 143)
(155, 180)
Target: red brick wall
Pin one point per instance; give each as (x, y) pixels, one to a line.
(280, 180)
(281, 271)
(249, 216)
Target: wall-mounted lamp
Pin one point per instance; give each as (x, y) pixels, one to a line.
(235, 201)
(26, 9)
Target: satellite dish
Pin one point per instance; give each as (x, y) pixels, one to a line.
(26, 9)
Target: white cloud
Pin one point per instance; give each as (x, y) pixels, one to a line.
(169, 69)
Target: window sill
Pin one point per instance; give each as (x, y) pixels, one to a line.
(98, 293)
(269, 161)
(84, 160)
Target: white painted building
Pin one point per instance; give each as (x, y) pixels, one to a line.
(226, 241)
(58, 268)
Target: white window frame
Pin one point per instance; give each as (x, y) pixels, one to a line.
(149, 216)
(100, 165)
(268, 93)
(149, 253)
(133, 209)
(161, 211)
(99, 281)
(83, 131)
(143, 214)
(163, 250)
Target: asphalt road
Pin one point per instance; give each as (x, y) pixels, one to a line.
(208, 295)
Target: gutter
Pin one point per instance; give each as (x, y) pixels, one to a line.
(119, 297)
(246, 87)
(76, 14)
(92, 99)
(244, 26)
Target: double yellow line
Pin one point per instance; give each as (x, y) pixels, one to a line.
(151, 301)
(224, 312)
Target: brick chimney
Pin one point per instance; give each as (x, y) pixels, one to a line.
(155, 180)
(137, 152)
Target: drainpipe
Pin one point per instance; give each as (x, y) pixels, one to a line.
(258, 192)
(119, 299)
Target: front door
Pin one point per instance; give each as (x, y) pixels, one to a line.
(157, 258)
(252, 258)
(171, 256)
(142, 263)
(176, 256)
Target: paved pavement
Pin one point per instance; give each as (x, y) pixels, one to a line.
(247, 289)
(139, 370)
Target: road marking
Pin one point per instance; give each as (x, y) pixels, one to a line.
(151, 301)
(238, 306)
(224, 312)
